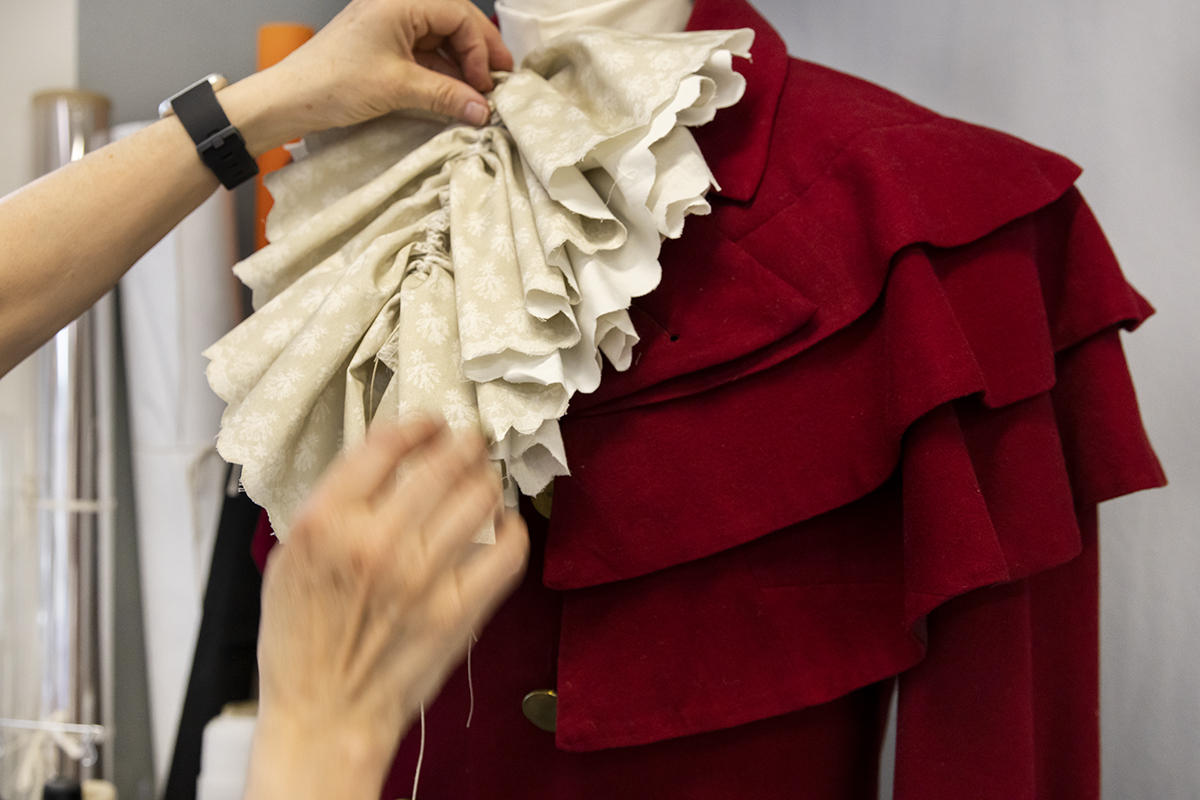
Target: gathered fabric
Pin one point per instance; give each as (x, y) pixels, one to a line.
(478, 274)
(526, 24)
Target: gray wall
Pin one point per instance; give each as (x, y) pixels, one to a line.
(140, 51)
(1115, 85)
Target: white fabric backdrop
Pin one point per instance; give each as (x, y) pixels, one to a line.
(1115, 85)
(178, 299)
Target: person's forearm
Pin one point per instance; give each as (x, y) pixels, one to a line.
(68, 237)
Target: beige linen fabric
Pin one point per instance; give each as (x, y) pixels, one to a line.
(526, 24)
(417, 266)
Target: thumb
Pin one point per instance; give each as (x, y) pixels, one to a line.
(444, 95)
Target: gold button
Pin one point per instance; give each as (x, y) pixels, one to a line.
(541, 708)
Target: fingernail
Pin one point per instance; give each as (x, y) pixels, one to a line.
(476, 113)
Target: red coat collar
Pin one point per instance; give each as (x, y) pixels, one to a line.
(735, 143)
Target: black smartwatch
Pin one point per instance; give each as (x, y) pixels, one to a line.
(219, 144)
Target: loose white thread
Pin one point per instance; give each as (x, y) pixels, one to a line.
(470, 683)
(420, 754)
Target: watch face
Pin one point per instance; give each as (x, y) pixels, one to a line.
(216, 79)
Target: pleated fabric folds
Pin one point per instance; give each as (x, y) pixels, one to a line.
(416, 266)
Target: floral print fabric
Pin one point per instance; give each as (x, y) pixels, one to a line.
(479, 274)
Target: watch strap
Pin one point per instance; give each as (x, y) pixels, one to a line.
(218, 143)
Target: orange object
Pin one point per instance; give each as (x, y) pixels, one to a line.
(275, 41)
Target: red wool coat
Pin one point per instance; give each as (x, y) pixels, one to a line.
(879, 394)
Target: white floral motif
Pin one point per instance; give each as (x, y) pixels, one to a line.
(321, 411)
(283, 384)
(471, 321)
(475, 223)
(607, 101)
(663, 59)
(616, 59)
(464, 253)
(306, 452)
(312, 299)
(432, 327)
(459, 414)
(502, 245)
(421, 371)
(488, 283)
(258, 427)
(642, 84)
(336, 300)
(310, 340)
(517, 318)
(540, 108)
(327, 267)
(538, 133)
(274, 305)
(280, 331)
(240, 367)
(350, 334)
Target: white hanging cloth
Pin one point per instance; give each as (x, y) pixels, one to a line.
(175, 301)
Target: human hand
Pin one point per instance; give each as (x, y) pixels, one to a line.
(369, 605)
(375, 56)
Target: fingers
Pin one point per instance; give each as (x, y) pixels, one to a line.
(453, 463)
(489, 580)
(471, 46)
(423, 88)
(438, 63)
(362, 472)
(480, 583)
(473, 40)
(499, 56)
(378, 56)
(465, 38)
(467, 506)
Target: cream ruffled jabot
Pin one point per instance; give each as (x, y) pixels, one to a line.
(473, 273)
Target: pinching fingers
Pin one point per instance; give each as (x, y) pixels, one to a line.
(467, 597)
(363, 471)
(429, 474)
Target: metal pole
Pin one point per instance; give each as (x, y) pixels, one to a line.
(75, 464)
